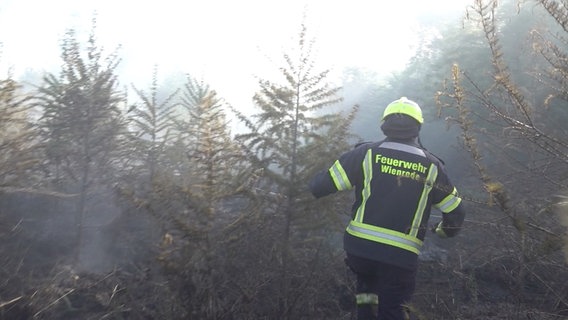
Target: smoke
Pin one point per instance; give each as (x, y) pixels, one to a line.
(40, 229)
(97, 251)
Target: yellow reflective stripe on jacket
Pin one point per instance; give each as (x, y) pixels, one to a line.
(428, 184)
(367, 298)
(339, 177)
(366, 192)
(385, 236)
(449, 203)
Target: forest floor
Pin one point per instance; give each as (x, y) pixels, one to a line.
(138, 293)
(479, 275)
(468, 277)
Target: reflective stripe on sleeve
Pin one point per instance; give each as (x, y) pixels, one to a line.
(449, 203)
(339, 177)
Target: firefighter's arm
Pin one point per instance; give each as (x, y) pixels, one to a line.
(321, 185)
(330, 181)
(451, 223)
(339, 177)
(453, 215)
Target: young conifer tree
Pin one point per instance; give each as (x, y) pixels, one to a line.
(152, 122)
(205, 164)
(81, 121)
(290, 138)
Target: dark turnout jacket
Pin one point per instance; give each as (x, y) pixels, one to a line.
(395, 184)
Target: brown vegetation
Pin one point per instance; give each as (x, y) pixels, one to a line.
(181, 221)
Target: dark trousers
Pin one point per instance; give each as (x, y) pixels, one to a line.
(392, 285)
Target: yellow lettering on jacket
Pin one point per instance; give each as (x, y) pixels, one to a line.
(399, 167)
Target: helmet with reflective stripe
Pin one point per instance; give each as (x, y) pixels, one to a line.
(404, 106)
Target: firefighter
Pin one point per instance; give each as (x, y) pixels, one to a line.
(396, 183)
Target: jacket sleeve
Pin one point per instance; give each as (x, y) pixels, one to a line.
(451, 222)
(447, 200)
(342, 175)
(321, 184)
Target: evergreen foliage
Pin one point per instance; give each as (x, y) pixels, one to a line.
(18, 143)
(289, 140)
(225, 228)
(81, 123)
(81, 119)
(203, 171)
(208, 141)
(152, 122)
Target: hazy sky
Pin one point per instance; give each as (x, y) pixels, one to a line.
(224, 42)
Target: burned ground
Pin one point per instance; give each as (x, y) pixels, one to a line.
(477, 275)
